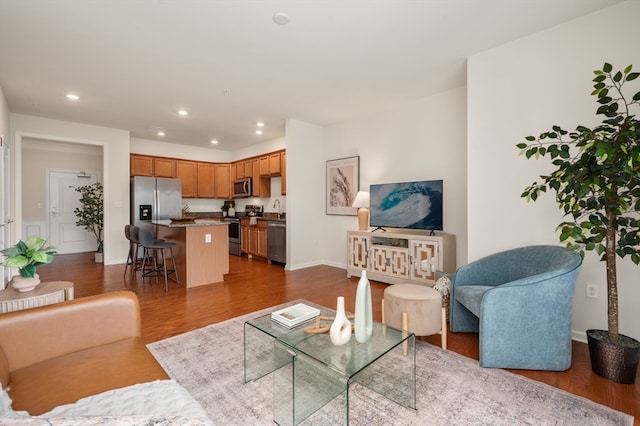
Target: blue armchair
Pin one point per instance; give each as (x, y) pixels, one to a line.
(519, 301)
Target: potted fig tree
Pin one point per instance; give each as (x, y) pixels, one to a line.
(90, 214)
(596, 179)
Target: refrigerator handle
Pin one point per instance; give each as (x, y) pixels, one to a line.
(156, 201)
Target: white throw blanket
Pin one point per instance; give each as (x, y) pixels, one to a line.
(159, 399)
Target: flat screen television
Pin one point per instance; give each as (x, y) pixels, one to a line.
(409, 205)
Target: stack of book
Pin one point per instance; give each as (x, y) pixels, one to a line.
(295, 315)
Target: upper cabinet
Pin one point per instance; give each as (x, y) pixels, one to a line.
(164, 167)
(206, 180)
(140, 165)
(270, 164)
(283, 172)
(188, 173)
(222, 180)
(214, 180)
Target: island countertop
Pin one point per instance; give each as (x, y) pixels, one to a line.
(185, 224)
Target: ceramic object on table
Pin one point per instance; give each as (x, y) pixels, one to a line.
(340, 331)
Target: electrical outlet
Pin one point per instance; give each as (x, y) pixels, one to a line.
(592, 291)
(207, 238)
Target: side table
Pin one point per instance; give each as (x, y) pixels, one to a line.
(46, 293)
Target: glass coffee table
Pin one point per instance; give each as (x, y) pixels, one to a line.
(309, 371)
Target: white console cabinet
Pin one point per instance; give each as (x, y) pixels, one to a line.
(400, 257)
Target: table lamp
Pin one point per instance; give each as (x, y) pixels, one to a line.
(362, 203)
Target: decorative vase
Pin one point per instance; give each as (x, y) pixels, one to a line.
(98, 257)
(24, 284)
(340, 331)
(232, 212)
(363, 322)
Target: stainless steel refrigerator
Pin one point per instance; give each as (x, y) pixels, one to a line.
(154, 199)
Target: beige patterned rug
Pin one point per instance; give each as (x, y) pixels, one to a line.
(451, 389)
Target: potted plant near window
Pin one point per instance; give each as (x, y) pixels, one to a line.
(597, 184)
(90, 214)
(27, 255)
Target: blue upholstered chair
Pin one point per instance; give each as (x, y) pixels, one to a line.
(519, 301)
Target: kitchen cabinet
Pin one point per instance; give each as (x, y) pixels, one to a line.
(261, 185)
(187, 172)
(222, 180)
(214, 180)
(140, 165)
(283, 172)
(244, 168)
(270, 164)
(164, 167)
(205, 182)
(400, 257)
(253, 239)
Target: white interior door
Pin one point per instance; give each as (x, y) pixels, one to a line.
(64, 235)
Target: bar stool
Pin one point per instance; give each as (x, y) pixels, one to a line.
(150, 243)
(132, 257)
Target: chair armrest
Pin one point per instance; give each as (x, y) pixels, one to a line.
(34, 335)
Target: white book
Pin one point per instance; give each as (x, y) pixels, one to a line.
(294, 315)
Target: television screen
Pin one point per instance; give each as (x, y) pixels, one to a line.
(413, 205)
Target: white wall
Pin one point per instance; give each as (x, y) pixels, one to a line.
(305, 186)
(523, 88)
(115, 145)
(421, 141)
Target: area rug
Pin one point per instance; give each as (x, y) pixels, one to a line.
(451, 389)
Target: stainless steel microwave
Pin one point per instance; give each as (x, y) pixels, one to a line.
(243, 188)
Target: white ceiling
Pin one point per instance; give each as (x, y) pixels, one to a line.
(135, 63)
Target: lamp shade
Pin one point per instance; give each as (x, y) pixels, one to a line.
(362, 200)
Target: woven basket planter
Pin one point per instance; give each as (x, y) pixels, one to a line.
(615, 362)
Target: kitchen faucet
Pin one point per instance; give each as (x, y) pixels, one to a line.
(277, 202)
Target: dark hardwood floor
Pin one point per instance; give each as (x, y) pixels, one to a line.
(253, 285)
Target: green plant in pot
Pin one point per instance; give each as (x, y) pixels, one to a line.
(90, 214)
(27, 255)
(597, 184)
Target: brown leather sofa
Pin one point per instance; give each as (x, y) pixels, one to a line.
(57, 354)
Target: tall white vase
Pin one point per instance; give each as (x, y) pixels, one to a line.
(363, 323)
(340, 331)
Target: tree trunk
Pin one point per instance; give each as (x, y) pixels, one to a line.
(612, 279)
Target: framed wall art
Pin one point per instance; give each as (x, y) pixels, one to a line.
(343, 183)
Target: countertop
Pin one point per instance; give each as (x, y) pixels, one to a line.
(196, 222)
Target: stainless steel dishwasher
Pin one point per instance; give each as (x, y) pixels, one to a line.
(277, 241)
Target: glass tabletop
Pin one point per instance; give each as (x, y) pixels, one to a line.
(347, 359)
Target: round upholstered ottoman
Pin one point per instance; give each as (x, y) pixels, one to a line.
(422, 306)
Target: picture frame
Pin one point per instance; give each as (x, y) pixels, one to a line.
(343, 183)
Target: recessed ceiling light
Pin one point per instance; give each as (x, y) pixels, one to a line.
(160, 133)
(258, 132)
(72, 96)
(214, 142)
(260, 124)
(183, 112)
(281, 18)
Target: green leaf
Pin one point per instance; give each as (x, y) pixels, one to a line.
(627, 70)
(530, 138)
(607, 67)
(617, 77)
(632, 76)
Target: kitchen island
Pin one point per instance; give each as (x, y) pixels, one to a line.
(202, 249)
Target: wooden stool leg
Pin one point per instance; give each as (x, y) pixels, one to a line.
(405, 329)
(443, 330)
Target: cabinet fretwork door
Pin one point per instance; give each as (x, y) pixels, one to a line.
(425, 260)
(399, 262)
(357, 250)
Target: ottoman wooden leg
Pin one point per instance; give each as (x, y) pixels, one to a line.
(443, 331)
